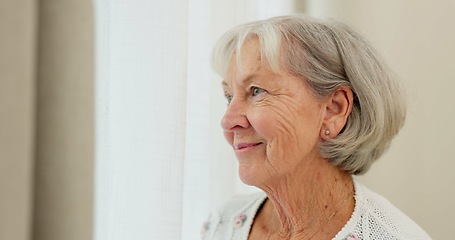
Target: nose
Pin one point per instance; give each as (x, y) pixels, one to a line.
(235, 116)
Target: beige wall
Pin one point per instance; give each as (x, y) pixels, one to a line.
(17, 63)
(46, 119)
(417, 38)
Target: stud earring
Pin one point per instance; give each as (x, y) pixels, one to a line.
(327, 132)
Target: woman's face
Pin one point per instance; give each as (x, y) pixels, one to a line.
(273, 121)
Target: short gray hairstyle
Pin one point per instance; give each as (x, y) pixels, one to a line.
(327, 55)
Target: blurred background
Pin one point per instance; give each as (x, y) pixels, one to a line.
(109, 113)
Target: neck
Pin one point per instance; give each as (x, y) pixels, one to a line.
(312, 200)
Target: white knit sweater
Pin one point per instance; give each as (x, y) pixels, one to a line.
(373, 218)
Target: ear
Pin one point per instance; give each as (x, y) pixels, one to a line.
(338, 108)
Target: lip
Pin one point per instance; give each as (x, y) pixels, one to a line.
(246, 146)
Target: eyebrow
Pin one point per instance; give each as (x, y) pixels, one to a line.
(247, 79)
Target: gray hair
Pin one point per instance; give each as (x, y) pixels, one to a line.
(327, 55)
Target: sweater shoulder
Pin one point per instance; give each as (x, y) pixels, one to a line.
(381, 219)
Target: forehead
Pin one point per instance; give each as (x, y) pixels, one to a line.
(247, 61)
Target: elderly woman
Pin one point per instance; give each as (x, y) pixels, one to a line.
(309, 105)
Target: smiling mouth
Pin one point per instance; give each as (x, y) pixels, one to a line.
(241, 146)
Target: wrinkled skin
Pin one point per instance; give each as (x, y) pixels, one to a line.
(274, 124)
(277, 111)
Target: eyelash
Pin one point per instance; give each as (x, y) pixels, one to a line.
(228, 97)
(253, 91)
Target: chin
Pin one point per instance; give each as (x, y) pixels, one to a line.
(250, 175)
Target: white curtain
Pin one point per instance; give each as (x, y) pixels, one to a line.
(162, 163)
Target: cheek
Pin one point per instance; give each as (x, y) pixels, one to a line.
(274, 123)
(263, 123)
(286, 129)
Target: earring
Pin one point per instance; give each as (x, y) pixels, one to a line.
(327, 132)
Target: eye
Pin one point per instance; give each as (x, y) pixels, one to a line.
(255, 91)
(228, 98)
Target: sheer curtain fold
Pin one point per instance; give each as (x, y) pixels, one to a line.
(141, 105)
